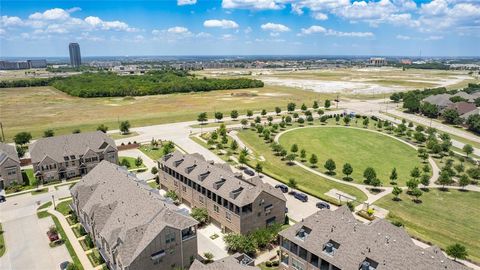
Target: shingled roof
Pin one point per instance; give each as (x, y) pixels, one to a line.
(66, 145)
(378, 241)
(127, 213)
(233, 262)
(8, 151)
(219, 178)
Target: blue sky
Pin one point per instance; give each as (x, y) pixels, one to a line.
(241, 27)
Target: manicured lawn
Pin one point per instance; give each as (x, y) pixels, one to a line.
(132, 163)
(28, 175)
(443, 218)
(64, 207)
(39, 191)
(153, 153)
(117, 136)
(358, 147)
(45, 205)
(43, 214)
(153, 184)
(307, 181)
(2, 242)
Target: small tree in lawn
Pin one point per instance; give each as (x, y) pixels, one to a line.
(124, 127)
(468, 149)
(303, 154)
(22, 138)
(337, 118)
(463, 181)
(234, 145)
(304, 107)
(330, 166)
(278, 110)
(415, 173)
(294, 148)
(258, 167)
(218, 116)
(425, 180)
(347, 170)
(249, 113)
(411, 184)
(426, 168)
(48, 133)
(393, 176)
(327, 104)
(313, 160)
(154, 170)
(200, 215)
(292, 183)
(457, 251)
(369, 174)
(125, 163)
(375, 182)
(138, 161)
(445, 179)
(291, 107)
(416, 193)
(365, 122)
(242, 158)
(234, 114)
(103, 128)
(270, 119)
(263, 112)
(396, 191)
(290, 158)
(346, 120)
(258, 119)
(315, 105)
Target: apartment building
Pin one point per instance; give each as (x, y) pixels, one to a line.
(335, 240)
(9, 166)
(132, 225)
(234, 262)
(68, 156)
(233, 203)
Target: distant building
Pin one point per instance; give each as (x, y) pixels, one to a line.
(131, 224)
(235, 204)
(16, 65)
(406, 61)
(9, 166)
(68, 156)
(234, 262)
(335, 240)
(75, 57)
(377, 61)
(37, 63)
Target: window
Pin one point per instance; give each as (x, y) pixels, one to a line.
(302, 253)
(175, 183)
(170, 237)
(215, 208)
(201, 199)
(297, 265)
(228, 216)
(184, 188)
(12, 172)
(284, 258)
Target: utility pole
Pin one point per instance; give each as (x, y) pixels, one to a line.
(3, 134)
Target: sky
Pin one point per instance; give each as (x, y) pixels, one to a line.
(43, 28)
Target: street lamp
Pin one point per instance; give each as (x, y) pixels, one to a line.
(53, 200)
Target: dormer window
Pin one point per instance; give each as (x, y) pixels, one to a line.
(368, 264)
(303, 233)
(66, 158)
(331, 247)
(167, 157)
(234, 193)
(191, 168)
(202, 176)
(178, 162)
(72, 157)
(219, 183)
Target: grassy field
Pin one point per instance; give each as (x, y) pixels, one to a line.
(443, 218)
(308, 182)
(131, 160)
(358, 147)
(36, 109)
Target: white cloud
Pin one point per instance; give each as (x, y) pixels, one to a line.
(98, 23)
(203, 35)
(402, 37)
(313, 29)
(186, 2)
(228, 37)
(220, 23)
(320, 16)
(275, 27)
(178, 30)
(254, 4)
(6, 21)
(329, 32)
(434, 38)
(50, 14)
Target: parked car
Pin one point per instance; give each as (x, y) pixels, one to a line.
(301, 196)
(64, 265)
(323, 205)
(2, 198)
(283, 188)
(249, 172)
(52, 236)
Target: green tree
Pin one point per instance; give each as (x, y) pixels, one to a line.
(20, 151)
(375, 182)
(138, 161)
(234, 114)
(278, 110)
(125, 163)
(416, 192)
(457, 251)
(304, 107)
(48, 133)
(290, 158)
(303, 154)
(242, 158)
(330, 166)
(411, 102)
(393, 176)
(172, 195)
(234, 145)
(244, 123)
(218, 116)
(315, 104)
(249, 113)
(396, 191)
(415, 173)
(451, 116)
(445, 179)
(125, 127)
(258, 167)
(313, 160)
(468, 149)
(22, 138)
(347, 170)
(103, 128)
(346, 120)
(327, 104)
(369, 174)
(294, 148)
(365, 122)
(463, 181)
(200, 215)
(425, 180)
(202, 117)
(291, 107)
(263, 112)
(412, 184)
(292, 183)
(154, 170)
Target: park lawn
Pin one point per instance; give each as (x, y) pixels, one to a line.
(358, 147)
(308, 182)
(48, 108)
(131, 160)
(64, 207)
(443, 218)
(3, 248)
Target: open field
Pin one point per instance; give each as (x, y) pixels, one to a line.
(307, 182)
(358, 147)
(354, 80)
(443, 218)
(39, 108)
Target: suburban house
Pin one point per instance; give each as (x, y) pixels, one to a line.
(68, 156)
(463, 108)
(334, 240)
(9, 166)
(442, 101)
(235, 204)
(234, 262)
(132, 225)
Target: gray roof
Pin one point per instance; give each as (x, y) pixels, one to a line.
(66, 145)
(441, 100)
(466, 115)
(193, 166)
(127, 213)
(8, 151)
(465, 95)
(232, 262)
(390, 246)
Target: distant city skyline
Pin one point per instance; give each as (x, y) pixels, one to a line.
(241, 27)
